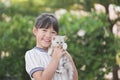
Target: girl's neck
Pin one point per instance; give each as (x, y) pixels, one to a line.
(46, 49)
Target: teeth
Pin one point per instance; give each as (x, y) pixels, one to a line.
(47, 40)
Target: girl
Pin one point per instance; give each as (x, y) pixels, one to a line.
(40, 65)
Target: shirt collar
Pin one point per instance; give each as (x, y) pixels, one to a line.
(40, 49)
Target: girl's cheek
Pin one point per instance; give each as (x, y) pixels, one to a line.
(53, 35)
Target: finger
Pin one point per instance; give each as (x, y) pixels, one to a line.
(57, 46)
(60, 47)
(63, 50)
(64, 53)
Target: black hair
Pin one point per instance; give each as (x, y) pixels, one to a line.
(45, 20)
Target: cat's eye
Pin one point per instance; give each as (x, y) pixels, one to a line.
(61, 42)
(57, 42)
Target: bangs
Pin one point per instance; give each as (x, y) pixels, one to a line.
(46, 23)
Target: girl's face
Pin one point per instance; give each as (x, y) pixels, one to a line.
(44, 36)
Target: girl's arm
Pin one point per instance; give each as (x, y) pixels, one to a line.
(50, 70)
(48, 73)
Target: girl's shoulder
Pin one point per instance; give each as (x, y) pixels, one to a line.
(35, 51)
(30, 52)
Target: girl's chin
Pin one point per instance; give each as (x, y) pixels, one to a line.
(46, 46)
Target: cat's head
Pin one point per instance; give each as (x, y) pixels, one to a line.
(58, 40)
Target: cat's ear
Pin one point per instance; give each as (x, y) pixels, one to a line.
(65, 38)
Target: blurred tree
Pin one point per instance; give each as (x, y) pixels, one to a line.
(92, 51)
(15, 38)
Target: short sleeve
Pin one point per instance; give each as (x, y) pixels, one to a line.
(32, 63)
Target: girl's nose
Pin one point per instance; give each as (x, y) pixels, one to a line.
(48, 34)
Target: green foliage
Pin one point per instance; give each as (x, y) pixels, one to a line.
(95, 50)
(15, 37)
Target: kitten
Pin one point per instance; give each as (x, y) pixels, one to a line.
(65, 68)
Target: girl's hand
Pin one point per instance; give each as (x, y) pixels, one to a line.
(58, 52)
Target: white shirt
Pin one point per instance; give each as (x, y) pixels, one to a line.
(37, 59)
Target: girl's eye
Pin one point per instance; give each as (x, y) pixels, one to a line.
(44, 30)
(53, 32)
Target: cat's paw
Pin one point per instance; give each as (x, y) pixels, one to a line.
(59, 71)
(64, 46)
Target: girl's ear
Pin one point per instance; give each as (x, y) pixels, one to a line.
(34, 30)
